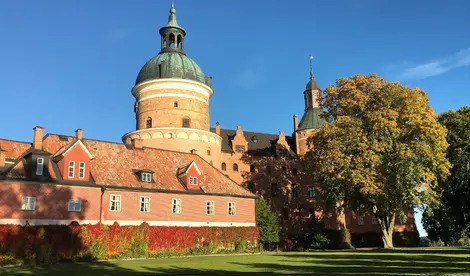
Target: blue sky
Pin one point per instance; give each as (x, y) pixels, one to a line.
(71, 64)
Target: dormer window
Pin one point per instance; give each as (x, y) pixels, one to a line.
(39, 166)
(146, 177)
(81, 170)
(239, 149)
(193, 180)
(71, 169)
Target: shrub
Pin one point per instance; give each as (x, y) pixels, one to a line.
(97, 251)
(43, 254)
(320, 242)
(437, 243)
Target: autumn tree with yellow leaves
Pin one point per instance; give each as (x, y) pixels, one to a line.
(382, 151)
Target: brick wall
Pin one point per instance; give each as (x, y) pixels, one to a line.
(52, 204)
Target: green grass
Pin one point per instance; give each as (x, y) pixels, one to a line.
(413, 261)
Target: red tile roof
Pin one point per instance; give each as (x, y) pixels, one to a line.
(113, 165)
(14, 149)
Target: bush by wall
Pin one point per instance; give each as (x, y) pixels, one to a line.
(46, 244)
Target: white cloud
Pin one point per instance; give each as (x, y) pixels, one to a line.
(406, 71)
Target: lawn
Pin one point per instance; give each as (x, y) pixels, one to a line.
(413, 261)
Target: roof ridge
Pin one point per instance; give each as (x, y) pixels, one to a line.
(9, 140)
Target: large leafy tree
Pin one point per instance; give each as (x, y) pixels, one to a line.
(383, 150)
(453, 215)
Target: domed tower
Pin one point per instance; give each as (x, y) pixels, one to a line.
(311, 119)
(172, 100)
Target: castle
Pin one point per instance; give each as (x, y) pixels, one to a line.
(173, 169)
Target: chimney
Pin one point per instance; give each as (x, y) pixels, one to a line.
(2, 157)
(194, 151)
(79, 133)
(217, 128)
(138, 143)
(296, 122)
(37, 138)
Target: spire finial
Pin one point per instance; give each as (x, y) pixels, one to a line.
(311, 70)
(172, 9)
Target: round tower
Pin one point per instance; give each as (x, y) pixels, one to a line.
(172, 100)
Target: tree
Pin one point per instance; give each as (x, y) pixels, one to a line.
(268, 225)
(453, 216)
(382, 151)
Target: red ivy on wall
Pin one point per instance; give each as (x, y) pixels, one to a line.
(74, 239)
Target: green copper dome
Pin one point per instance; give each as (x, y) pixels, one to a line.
(312, 119)
(171, 65)
(172, 61)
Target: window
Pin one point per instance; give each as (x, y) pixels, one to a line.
(146, 177)
(252, 168)
(208, 152)
(193, 180)
(186, 122)
(374, 220)
(224, 166)
(175, 104)
(210, 207)
(360, 220)
(268, 169)
(311, 191)
(115, 203)
(294, 191)
(75, 205)
(274, 189)
(71, 169)
(285, 213)
(239, 149)
(284, 170)
(311, 212)
(145, 204)
(81, 170)
(176, 206)
(235, 167)
(283, 152)
(28, 203)
(231, 208)
(294, 171)
(39, 166)
(149, 122)
(251, 187)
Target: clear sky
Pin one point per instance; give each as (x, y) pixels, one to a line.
(71, 64)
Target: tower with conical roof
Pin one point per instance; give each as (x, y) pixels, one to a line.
(311, 120)
(172, 97)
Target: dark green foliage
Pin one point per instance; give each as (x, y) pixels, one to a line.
(451, 220)
(268, 225)
(320, 241)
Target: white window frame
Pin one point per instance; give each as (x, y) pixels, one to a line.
(193, 180)
(175, 202)
(311, 188)
(74, 202)
(71, 165)
(232, 208)
(146, 177)
(81, 170)
(210, 203)
(239, 149)
(360, 220)
(114, 198)
(39, 166)
(30, 204)
(144, 202)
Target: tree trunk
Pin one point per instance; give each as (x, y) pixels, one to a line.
(387, 224)
(345, 235)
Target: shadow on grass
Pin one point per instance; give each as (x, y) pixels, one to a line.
(372, 262)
